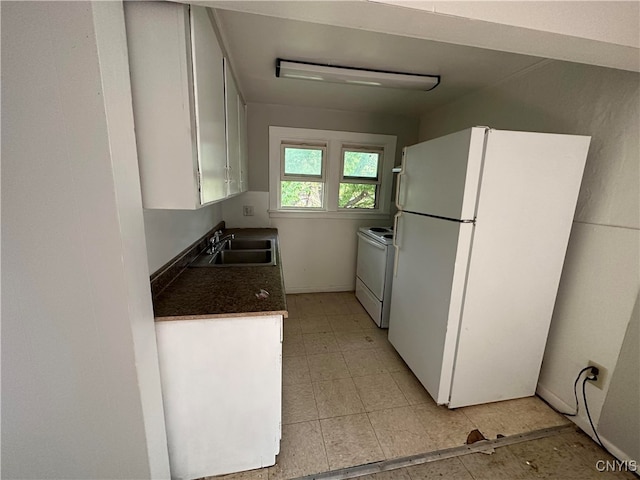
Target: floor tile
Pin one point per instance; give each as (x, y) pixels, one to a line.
(363, 362)
(411, 387)
(345, 323)
(298, 403)
(400, 433)
(550, 458)
(260, 474)
(379, 392)
(291, 327)
(307, 309)
(327, 366)
(293, 345)
(492, 419)
(399, 474)
(447, 428)
(447, 469)
(336, 398)
(327, 297)
(350, 441)
(301, 452)
(500, 465)
(355, 340)
(336, 308)
(292, 311)
(571, 455)
(391, 360)
(511, 417)
(320, 343)
(357, 308)
(532, 413)
(315, 324)
(295, 370)
(365, 321)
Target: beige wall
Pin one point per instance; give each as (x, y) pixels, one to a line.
(80, 379)
(318, 254)
(601, 275)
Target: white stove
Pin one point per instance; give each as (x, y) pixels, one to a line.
(374, 272)
(382, 234)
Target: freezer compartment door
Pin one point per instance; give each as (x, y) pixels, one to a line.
(427, 296)
(441, 176)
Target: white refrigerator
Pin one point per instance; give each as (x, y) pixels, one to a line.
(480, 239)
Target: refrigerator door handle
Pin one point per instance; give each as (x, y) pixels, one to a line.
(396, 244)
(399, 183)
(399, 191)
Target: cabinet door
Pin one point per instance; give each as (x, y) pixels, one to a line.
(208, 86)
(233, 132)
(244, 146)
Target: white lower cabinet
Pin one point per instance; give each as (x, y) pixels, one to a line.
(221, 386)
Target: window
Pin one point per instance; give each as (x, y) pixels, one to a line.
(302, 179)
(329, 173)
(360, 178)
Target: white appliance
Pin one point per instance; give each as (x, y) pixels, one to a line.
(374, 272)
(480, 238)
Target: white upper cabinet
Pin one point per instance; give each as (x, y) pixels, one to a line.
(177, 83)
(232, 102)
(244, 147)
(237, 154)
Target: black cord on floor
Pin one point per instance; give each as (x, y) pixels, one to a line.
(586, 404)
(586, 408)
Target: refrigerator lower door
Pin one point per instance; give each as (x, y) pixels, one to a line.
(427, 297)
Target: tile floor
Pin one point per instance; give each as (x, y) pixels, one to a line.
(349, 399)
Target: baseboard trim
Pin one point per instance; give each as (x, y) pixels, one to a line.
(581, 421)
(320, 289)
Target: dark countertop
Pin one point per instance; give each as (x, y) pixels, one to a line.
(209, 292)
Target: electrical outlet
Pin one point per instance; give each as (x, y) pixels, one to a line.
(247, 210)
(602, 374)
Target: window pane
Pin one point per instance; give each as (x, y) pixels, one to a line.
(361, 164)
(357, 195)
(302, 161)
(301, 194)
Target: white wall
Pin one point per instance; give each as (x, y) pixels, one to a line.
(318, 254)
(601, 276)
(81, 389)
(169, 232)
(624, 394)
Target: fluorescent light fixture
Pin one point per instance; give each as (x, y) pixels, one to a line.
(354, 76)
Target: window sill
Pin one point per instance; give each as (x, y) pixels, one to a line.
(324, 214)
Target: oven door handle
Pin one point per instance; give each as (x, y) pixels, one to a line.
(370, 241)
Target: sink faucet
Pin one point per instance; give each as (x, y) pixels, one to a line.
(218, 242)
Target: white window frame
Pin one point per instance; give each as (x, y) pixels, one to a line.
(322, 178)
(335, 142)
(377, 181)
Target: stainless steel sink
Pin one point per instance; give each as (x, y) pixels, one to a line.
(240, 252)
(247, 244)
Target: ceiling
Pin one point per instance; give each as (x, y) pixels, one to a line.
(255, 36)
